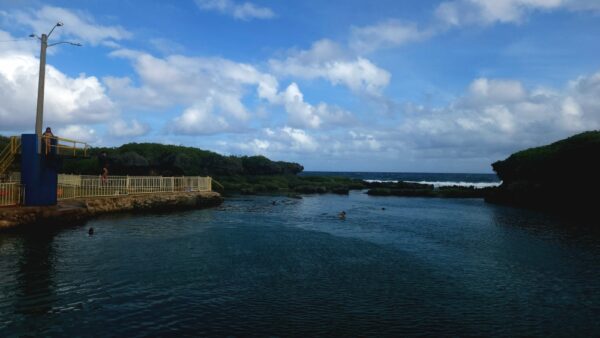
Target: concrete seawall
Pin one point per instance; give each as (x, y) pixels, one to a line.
(78, 210)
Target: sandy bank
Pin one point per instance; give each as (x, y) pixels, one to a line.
(82, 209)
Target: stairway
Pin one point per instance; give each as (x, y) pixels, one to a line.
(8, 154)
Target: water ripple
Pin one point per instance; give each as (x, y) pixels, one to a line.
(252, 267)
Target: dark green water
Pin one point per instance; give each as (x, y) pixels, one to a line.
(421, 266)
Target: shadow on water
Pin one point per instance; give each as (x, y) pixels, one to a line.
(569, 229)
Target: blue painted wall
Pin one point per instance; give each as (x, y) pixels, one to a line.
(39, 172)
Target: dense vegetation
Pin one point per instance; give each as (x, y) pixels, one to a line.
(290, 184)
(561, 176)
(169, 160)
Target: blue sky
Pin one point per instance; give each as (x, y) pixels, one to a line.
(436, 86)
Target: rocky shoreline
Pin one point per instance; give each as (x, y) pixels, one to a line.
(79, 210)
(292, 185)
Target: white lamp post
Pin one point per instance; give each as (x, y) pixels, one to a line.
(39, 117)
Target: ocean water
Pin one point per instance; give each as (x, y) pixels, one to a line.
(435, 179)
(273, 266)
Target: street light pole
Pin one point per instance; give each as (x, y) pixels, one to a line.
(39, 115)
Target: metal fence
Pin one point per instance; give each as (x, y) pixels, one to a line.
(74, 186)
(10, 194)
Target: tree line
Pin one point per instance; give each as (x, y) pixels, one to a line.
(171, 160)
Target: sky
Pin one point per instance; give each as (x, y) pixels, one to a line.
(372, 85)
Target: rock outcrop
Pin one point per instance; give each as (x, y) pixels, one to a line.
(563, 176)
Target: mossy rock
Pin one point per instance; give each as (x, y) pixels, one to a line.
(340, 190)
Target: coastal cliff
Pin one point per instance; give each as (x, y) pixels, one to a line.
(562, 176)
(76, 210)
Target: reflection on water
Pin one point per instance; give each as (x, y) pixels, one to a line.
(31, 256)
(35, 272)
(569, 229)
(278, 266)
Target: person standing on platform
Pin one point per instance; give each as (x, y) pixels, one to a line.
(47, 138)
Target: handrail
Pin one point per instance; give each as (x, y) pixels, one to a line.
(217, 183)
(15, 144)
(6, 152)
(55, 142)
(7, 155)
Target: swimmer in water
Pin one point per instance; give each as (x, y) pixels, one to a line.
(91, 231)
(342, 215)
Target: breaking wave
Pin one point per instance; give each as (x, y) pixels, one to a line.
(437, 184)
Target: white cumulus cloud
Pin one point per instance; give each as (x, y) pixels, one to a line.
(388, 33)
(68, 100)
(456, 13)
(213, 89)
(502, 116)
(201, 119)
(326, 59)
(78, 132)
(241, 11)
(120, 128)
(179, 79)
(487, 12)
(282, 140)
(301, 113)
(77, 24)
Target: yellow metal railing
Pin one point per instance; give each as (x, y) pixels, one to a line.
(13, 177)
(64, 146)
(75, 186)
(10, 194)
(7, 156)
(218, 184)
